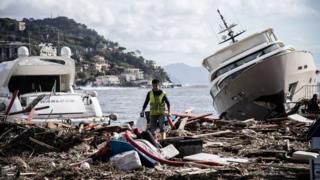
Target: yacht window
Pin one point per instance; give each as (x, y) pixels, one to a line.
(271, 48)
(292, 89)
(231, 76)
(272, 36)
(310, 80)
(305, 67)
(300, 67)
(244, 60)
(54, 61)
(34, 83)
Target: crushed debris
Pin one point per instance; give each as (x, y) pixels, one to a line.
(249, 149)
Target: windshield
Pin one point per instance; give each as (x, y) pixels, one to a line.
(244, 60)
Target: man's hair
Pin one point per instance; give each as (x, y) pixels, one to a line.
(155, 81)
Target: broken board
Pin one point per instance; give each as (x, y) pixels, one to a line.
(215, 158)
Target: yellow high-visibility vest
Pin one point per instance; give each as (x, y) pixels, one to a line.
(157, 106)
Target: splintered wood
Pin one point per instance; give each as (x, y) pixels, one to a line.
(57, 150)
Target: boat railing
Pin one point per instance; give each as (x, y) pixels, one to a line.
(307, 91)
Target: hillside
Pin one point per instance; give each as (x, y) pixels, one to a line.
(84, 42)
(184, 74)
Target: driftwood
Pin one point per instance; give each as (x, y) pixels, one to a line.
(264, 126)
(22, 174)
(215, 144)
(42, 143)
(183, 122)
(240, 124)
(197, 118)
(219, 133)
(190, 115)
(265, 153)
(114, 128)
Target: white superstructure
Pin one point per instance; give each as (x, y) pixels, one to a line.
(50, 78)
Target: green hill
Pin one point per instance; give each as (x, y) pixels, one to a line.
(83, 41)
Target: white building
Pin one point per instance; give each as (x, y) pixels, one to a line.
(132, 74)
(99, 59)
(100, 63)
(107, 80)
(128, 77)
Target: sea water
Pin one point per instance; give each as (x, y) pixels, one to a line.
(127, 102)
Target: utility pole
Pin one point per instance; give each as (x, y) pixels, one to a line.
(58, 49)
(29, 43)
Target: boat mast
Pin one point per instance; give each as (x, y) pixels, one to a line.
(228, 28)
(230, 33)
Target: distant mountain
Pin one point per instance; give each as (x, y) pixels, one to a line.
(185, 74)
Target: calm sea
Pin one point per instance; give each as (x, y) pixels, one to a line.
(127, 102)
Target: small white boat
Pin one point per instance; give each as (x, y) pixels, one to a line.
(45, 84)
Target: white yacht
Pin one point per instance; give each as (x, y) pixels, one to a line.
(255, 77)
(45, 88)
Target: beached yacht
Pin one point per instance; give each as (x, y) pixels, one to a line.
(255, 76)
(44, 85)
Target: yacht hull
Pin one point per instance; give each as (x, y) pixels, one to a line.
(260, 90)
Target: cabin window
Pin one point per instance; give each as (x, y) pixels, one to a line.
(231, 76)
(292, 89)
(244, 60)
(310, 80)
(300, 67)
(54, 61)
(305, 66)
(28, 84)
(272, 36)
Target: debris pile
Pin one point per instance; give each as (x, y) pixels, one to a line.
(196, 147)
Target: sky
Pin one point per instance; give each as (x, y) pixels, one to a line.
(180, 31)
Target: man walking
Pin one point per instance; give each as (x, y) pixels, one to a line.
(157, 99)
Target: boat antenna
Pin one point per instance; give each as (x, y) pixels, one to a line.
(228, 28)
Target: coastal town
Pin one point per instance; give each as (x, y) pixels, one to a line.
(101, 67)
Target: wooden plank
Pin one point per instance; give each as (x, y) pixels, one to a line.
(23, 174)
(212, 134)
(42, 143)
(192, 116)
(199, 117)
(215, 144)
(15, 94)
(183, 123)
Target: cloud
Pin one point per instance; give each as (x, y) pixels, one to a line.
(167, 31)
